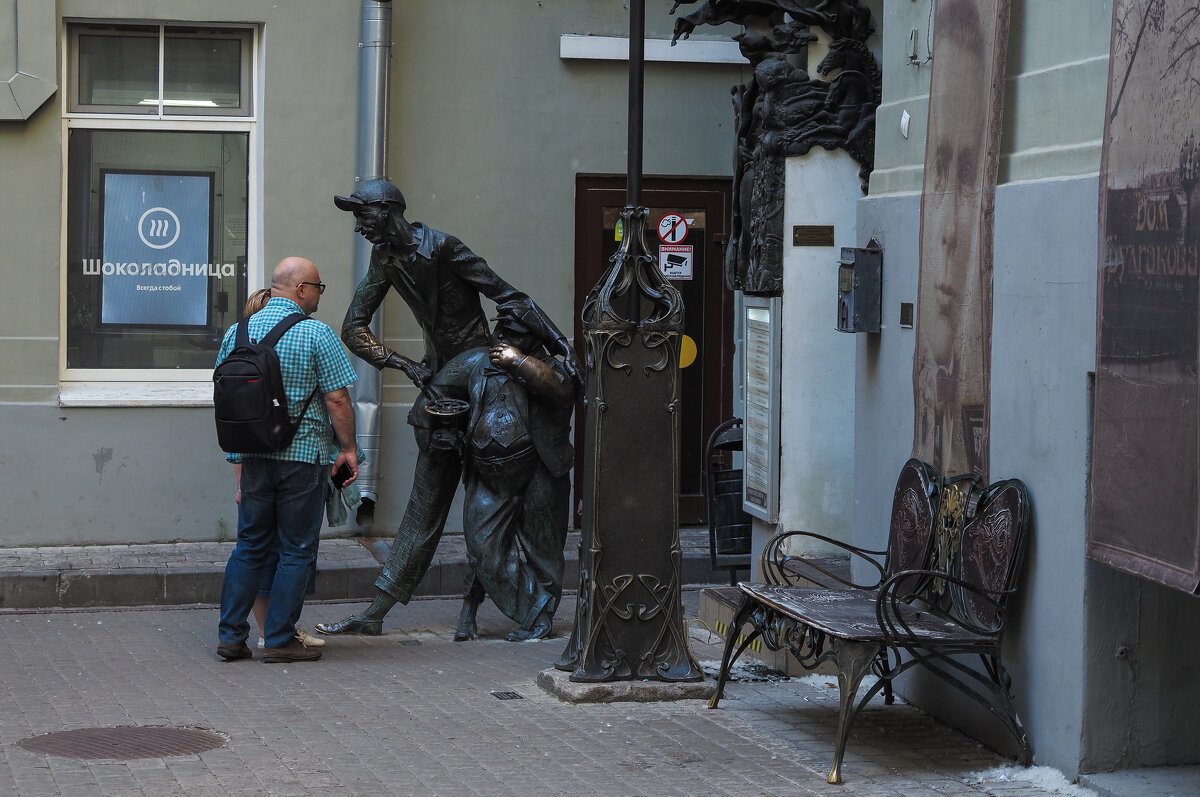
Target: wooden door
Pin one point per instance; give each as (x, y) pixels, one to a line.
(695, 267)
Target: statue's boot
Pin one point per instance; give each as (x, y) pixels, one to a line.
(467, 627)
(368, 623)
(539, 630)
(353, 624)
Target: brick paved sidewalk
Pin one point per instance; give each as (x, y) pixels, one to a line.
(412, 712)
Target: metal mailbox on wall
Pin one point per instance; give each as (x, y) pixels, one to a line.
(860, 288)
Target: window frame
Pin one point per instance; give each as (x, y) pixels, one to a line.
(165, 107)
(156, 386)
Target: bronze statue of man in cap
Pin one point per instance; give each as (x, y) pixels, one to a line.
(441, 281)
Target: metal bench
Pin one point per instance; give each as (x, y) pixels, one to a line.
(951, 564)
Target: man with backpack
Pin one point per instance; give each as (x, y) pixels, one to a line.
(282, 491)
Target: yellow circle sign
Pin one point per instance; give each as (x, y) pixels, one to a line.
(687, 351)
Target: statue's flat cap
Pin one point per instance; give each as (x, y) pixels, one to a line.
(372, 192)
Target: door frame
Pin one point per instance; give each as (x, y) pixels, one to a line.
(592, 194)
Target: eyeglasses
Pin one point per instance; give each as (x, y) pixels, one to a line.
(320, 286)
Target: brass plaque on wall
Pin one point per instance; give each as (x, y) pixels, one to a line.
(812, 235)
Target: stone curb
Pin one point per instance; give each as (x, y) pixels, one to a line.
(191, 573)
(558, 683)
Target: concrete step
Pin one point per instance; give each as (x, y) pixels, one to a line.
(191, 572)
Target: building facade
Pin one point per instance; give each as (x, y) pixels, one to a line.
(1102, 666)
(179, 151)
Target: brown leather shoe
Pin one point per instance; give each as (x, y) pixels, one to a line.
(234, 652)
(294, 650)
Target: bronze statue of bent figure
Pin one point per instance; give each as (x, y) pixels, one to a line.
(517, 454)
(441, 280)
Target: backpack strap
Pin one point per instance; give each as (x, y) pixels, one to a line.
(304, 409)
(272, 337)
(242, 337)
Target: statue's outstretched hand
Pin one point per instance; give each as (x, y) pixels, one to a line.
(419, 373)
(571, 362)
(506, 356)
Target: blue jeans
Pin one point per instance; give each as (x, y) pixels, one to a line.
(281, 501)
(267, 577)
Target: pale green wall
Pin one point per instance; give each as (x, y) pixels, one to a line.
(1055, 92)
(121, 474)
(31, 165)
(489, 128)
(1056, 89)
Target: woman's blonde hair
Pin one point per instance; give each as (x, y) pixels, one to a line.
(257, 301)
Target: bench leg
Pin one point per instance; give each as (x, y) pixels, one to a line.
(1007, 712)
(854, 661)
(888, 697)
(727, 660)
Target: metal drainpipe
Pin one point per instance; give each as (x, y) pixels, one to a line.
(374, 89)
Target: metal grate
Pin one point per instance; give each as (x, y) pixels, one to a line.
(507, 696)
(411, 643)
(124, 743)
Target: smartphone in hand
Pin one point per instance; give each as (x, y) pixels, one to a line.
(340, 476)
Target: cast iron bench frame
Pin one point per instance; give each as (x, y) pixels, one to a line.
(951, 565)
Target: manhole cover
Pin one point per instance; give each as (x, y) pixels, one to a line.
(123, 743)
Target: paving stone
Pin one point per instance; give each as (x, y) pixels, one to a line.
(382, 715)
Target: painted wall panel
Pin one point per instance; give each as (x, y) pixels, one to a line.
(816, 472)
(1042, 351)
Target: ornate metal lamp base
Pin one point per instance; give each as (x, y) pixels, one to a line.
(629, 615)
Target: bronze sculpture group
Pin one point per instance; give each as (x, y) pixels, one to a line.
(514, 389)
(495, 405)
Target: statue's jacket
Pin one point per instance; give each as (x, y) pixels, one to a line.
(535, 418)
(441, 281)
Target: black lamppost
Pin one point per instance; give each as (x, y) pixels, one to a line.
(629, 615)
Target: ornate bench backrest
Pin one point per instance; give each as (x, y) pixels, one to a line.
(914, 507)
(990, 554)
(978, 539)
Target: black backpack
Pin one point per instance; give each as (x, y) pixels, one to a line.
(250, 404)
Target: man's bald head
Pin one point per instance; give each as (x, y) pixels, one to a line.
(297, 278)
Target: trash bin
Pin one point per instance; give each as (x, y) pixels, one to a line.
(729, 525)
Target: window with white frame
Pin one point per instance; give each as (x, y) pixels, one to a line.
(159, 124)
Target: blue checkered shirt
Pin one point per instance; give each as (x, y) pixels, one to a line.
(310, 356)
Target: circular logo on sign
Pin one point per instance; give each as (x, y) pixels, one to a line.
(158, 228)
(672, 229)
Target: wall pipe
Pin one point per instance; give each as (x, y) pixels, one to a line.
(374, 90)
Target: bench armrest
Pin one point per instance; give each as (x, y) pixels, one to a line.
(783, 569)
(902, 590)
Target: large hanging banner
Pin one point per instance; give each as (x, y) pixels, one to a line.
(1143, 513)
(952, 363)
